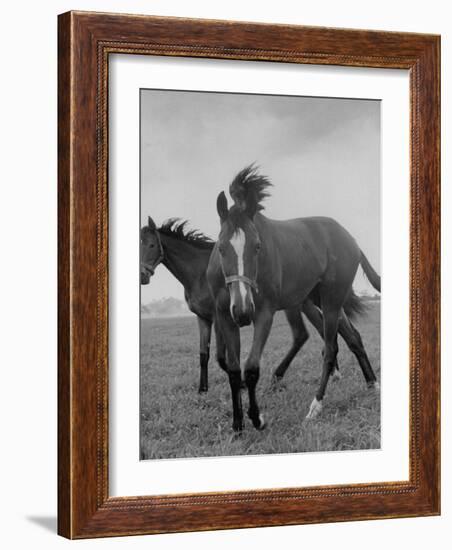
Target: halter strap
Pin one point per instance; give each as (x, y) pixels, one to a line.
(151, 268)
(242, 279)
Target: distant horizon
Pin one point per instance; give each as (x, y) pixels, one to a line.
(364, 294)
(188, 313)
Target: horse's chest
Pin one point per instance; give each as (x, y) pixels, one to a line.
(199, 304)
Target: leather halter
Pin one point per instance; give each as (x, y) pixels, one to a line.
(152, 268)
(242, 279)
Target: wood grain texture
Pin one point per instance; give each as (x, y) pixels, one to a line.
(85, 42)
(64, 295)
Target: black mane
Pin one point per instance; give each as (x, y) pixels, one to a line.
(177, 228)
(249, 188)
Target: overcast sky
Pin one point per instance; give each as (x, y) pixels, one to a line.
(322, 156)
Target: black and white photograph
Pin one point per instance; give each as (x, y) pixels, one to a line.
(260, 265)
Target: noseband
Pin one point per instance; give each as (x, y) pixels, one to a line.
(242, 279)
(152, 268)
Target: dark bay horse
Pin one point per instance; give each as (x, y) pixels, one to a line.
(260, 266)
(186, 255)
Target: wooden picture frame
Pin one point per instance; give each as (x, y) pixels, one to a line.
(85, 42)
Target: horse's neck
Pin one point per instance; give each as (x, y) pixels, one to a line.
(183, 260)
(270, 255)
(263, 226)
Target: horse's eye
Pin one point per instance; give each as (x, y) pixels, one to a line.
(258, 247)
(152, 246)
(221, 249)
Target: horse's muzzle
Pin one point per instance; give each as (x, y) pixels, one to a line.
(242, 319)
(146, 273)
(145, 276)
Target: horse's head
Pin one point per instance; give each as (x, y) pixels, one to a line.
(238, 245)
(151, 250)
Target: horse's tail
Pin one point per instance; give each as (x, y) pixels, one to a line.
(354, 306)
(370, 272)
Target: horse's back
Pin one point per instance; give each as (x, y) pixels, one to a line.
(319, 232)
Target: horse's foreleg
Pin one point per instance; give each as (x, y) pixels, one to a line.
(353, 340)
(205, 330)
(231, 336)
(221, 347)
(330, 323)
(262, 326)
(315, 317)
(300, 336)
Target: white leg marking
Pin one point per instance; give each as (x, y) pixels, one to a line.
(314, 410)
(238, 241)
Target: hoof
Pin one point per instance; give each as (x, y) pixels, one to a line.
(243, 385)
(237, 428)
(202, 389)
(337, 375)
(260, 424)
(375, 386)
(314, 410)
(276, 382)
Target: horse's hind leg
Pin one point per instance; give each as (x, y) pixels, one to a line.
(205, 330)
(315, 317)
(353, 340)
(330, 324)
(300, 336)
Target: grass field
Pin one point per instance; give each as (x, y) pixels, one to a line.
(178, 422)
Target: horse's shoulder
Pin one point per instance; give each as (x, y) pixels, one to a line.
(214, 277)
(199, 301)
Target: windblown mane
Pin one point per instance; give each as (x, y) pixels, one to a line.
(249, 188)
(177, 228)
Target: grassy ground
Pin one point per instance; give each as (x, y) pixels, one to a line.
(178, 422)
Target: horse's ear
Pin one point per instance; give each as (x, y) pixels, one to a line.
(151, 224)
(222, 206)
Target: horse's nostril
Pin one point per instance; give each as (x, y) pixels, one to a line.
(244, 320)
